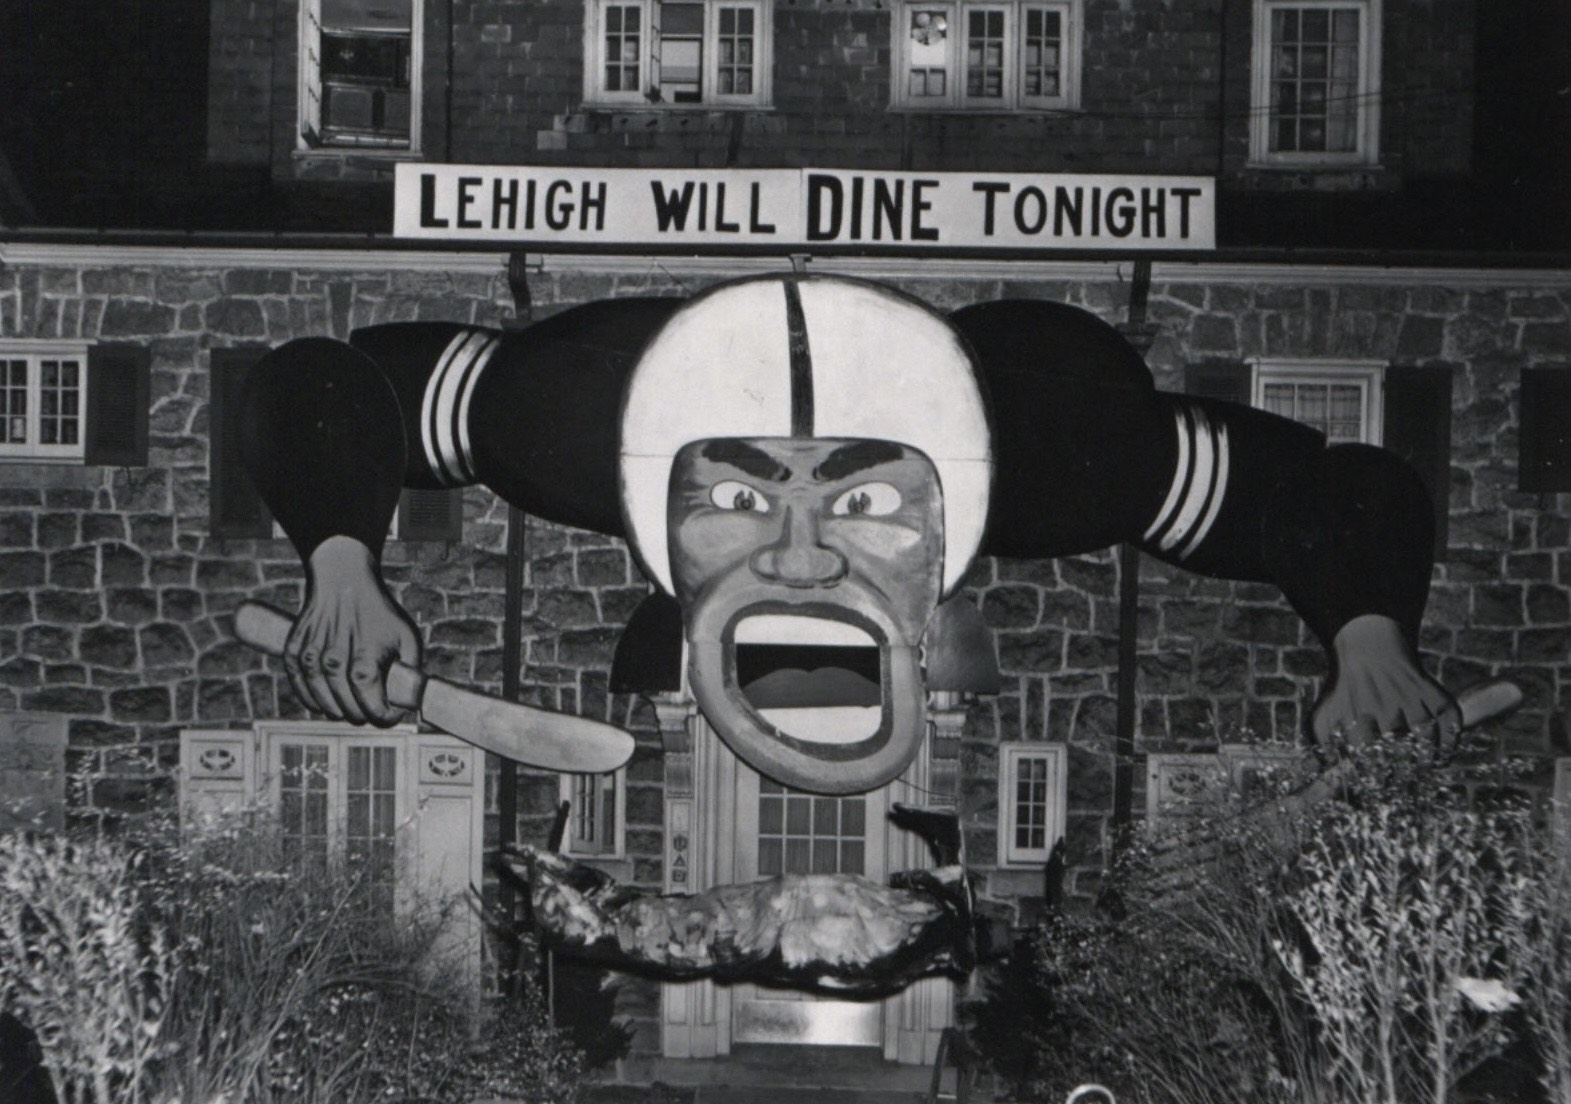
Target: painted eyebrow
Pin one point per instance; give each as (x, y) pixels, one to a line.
(857, 456)
(754, 461)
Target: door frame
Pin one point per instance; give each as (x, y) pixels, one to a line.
(702, 785)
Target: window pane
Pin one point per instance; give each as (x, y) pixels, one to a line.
(799, 856)
(826, 856)
(59, 402)
(770, 858)
(359, 769)
(818, 834)
(927, 49)
(985, 54)
(681, 52)
(769, 814)
(799, 815)
(1314, 96)
(735, 63)
(853, 816)
(826, 817)
(852, 860)
(681, 19)
(623, 48)
(1278, 399)
(1346, 413)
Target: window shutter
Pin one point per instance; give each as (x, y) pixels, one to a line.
(119, 392)
(1228, 380)
(1418, 429)
(218, 773)
(236, 509)
(431, 515)
(1544, 459)
(448, 788)
(310, 74)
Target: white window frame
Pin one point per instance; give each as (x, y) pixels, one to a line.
(584, 824)
(1014, 98)
(438, 809)
(1366, 147)
(275, 736)
(595, 94)
(35, 352)
(1368, 375)
(308, 99)
(1560, 806)
(1011, 756)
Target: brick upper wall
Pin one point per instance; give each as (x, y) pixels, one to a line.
(1165, 89)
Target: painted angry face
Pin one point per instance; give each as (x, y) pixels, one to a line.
(806, 466)
(807, 570)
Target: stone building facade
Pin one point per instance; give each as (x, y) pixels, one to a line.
(1165, 88)
(116, 599)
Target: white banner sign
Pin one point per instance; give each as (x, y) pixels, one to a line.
(802, 209)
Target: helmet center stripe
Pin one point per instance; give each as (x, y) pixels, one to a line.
(801, 364)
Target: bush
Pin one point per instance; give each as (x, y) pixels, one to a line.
(1363, 949)
(219, 968)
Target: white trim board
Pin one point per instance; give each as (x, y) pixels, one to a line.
(1163, 271)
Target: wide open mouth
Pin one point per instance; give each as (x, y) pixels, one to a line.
(815, 679)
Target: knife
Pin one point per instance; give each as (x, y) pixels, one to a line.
(536, 737)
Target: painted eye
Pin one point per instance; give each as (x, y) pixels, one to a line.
(869, 499)
(730, 494)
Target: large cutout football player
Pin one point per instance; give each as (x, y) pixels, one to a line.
(809, 465)
(805, 468)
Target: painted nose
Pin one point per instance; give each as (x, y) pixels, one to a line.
(798, 559)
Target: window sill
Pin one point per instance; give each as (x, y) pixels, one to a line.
(345, 153)
(981, 112)
(1330, 177)
(51, 461)
(644, 108)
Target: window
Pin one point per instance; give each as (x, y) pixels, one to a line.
(1342, 399)
(597, 810)
(800, 833)
(1560, 806)
(1316, 82)
(43, 402)
(987, 57)
(693, 53)
(1031, 799)
(338, 801)
(359, 74)
(401, 809)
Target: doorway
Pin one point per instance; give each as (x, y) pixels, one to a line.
(724, 825)
(784, 831)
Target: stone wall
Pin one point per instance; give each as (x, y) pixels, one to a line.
(115, 603)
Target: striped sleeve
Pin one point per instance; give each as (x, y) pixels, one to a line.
(1198, 487)
(445, 444)
(1249, 495)
(1226, 464)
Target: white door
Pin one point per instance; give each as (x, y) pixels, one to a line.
(784, 831)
